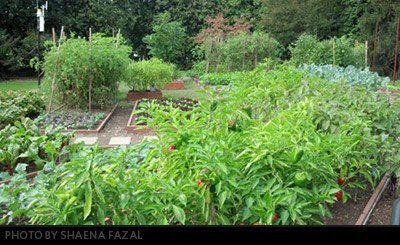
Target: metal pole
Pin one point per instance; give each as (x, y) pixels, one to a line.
(39, 55)
(38, 50)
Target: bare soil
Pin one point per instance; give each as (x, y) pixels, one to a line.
(383, 210)
(348, 213)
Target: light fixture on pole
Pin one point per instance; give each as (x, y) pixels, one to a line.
(40, 28)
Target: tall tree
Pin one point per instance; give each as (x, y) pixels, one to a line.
(168, 41)
(288, 19)
(384, 15)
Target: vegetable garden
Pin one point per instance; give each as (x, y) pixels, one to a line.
(264, 141)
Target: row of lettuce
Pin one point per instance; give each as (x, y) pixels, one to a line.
(278, 147)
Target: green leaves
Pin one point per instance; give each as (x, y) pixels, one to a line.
(148, 74)
(87, 207)
(79, 62)
(179, 214)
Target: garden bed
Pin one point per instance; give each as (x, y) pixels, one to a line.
(79, 122)
(133, 126)
(175, 85)
(134, 96)
(367, 207)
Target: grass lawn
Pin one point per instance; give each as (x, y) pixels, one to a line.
(18, 85)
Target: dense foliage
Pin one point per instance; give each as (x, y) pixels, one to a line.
(23, 142)
(278, 148)
(337, 51)
(148, 75)
(80, 67)
(168, 41)
(14, 105)
(350, 74)
(285, 20)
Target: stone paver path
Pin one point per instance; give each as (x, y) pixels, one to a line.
(114, 132)
(120, 141)
(86, 140)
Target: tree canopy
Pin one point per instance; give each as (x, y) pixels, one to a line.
(284, 20)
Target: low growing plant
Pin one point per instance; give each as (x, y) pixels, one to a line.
(16, 104)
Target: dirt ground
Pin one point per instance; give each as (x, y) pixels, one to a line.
(383, 210)
(348, 213)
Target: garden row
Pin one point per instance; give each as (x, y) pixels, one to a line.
(277, 147)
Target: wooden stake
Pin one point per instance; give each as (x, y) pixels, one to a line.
(334, 52)
(396, 48)
(55, 71)
(366, 54)
(117, 43)
(54, 36)
(90, 72)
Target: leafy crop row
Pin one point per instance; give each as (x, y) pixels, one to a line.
(350, 74)
(14, 105)
(277, 148)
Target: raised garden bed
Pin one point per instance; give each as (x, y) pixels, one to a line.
(368, 206)
(79, 122)
(134, 96)
(133, 126)
(175, 85)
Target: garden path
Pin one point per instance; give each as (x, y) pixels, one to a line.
(114, 133)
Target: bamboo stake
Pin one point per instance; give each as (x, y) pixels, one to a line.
(334, 52)
(118, 34)
(394, 78)
(55, 72)
(54, 36)
(90, 73)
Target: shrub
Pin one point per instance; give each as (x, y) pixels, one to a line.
(245, 51)
(350, 75)
(78, 62)
(148, 74)
(309, 50)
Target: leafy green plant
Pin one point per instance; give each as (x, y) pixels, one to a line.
(342, 51)
(147, 75)
(24, 143)
(70, 120)
(278, 147)
(81, 67)
(168, 41)
(15, 104)
(350, 75)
